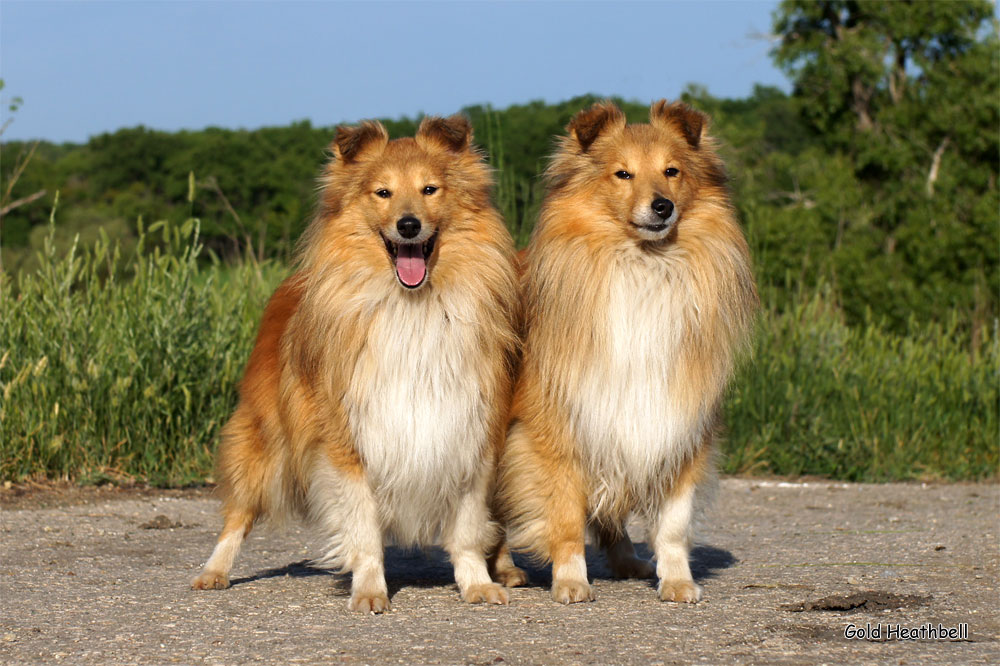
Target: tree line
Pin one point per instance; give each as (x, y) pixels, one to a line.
(874, 179)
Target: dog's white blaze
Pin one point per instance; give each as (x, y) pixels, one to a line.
(416, 409)
(625, 415)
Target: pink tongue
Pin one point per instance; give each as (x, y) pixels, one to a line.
(410, 265)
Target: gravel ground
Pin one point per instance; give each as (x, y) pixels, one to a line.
(92, 577)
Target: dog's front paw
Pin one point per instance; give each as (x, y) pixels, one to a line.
(511, 577)
(681, 591)
(486, 593)
(210, 580)
(632, 567)
(571, 591)
(369, 603)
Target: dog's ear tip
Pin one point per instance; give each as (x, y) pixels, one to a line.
(588, 124)
(454, 132)
(682, 116)
(350, 141)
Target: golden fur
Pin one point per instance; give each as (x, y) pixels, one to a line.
(372, 409)
(632, 325)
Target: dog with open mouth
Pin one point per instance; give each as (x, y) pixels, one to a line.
(638, 294)
(375, 400)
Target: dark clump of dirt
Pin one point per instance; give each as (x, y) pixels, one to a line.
(871, 600)
(160, 522)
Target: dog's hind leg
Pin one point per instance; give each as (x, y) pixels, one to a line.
(242, 473)
(215, 575)
(246, 476)
(622, 559)
(502, 567)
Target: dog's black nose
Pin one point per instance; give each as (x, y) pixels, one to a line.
(663, 207)
(408, 226)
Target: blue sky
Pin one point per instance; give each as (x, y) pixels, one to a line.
(84, 68)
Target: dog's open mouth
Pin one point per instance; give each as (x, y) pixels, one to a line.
(655, 228)
(410, 260)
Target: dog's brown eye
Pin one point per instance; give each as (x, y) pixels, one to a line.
(624, 175)
(671, 172)
(430, 189)
(383, 193)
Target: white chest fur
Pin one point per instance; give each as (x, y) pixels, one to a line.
(416, 409)
(625, 414)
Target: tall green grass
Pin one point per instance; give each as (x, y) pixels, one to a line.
(115, 367)
(862, 403)
(519, 200)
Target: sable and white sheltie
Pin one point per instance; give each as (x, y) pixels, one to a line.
(376, 398)
(638, 294)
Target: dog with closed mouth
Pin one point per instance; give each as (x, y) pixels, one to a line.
(376, 397)
(638, 295)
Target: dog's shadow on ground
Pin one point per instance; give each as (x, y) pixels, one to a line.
(403, 568)
(430, 568)
(706, 562)
(301, 569)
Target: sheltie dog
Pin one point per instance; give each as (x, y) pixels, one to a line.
(376, 398)
(638, 294)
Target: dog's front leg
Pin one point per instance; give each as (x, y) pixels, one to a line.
(466, 539)
(360, 547)
(569, 565)
(368, 589)
(565, 530)
(672, 543)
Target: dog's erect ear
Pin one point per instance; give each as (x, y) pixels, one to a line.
(351, 142)
(454, 133)
(590, 123)
(688, 121)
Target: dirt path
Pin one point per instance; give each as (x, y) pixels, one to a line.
(85, 582)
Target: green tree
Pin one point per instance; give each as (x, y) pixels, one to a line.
(908, 92)
(8, 202)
